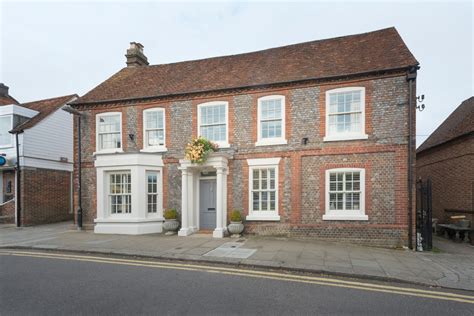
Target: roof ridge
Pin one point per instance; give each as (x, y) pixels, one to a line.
(445, 125)
(366, 53)
(271, 48)
(49, 99)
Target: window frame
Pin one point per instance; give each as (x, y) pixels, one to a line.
(11, 135)
(275, 140)
(158, 148)
(97, 138)
(159, 192)
(264, 163)
(109, 194)
(351, 135)
(221, 144)
(349, 215)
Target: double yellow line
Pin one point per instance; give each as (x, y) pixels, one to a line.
(326, 281)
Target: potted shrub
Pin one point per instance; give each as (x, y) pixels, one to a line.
(235, 227)
(171, 223)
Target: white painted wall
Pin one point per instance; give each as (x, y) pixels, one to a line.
(49, 140)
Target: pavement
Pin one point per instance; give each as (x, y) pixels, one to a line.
(450, 266)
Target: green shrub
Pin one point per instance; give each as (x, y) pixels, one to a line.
(170, 214)
(235, 216)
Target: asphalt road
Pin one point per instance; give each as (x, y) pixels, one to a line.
(36, 283)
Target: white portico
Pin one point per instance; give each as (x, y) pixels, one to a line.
(204, 195)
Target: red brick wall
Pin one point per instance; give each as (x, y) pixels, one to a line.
(7, 212)
(384, 152)
(45, 196)
(451, 170)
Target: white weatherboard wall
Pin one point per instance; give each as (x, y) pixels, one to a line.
(45, 143)
(10, 151)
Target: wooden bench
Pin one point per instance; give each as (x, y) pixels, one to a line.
(457, 233)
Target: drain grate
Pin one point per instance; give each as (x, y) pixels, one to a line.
(231, 250)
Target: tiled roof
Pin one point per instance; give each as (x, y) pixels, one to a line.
(7, 100)
(342, 56)
(459, 123)
(45, 108)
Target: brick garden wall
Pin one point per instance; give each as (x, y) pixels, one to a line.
(450, 168)
(45, 196)
(384, 155)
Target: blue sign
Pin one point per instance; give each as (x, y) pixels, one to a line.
(3, 161)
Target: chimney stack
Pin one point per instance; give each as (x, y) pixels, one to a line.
(3, 90)
(135, 56)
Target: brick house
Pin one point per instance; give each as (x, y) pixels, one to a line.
(40, 134)
(447, 158)
(313, 142)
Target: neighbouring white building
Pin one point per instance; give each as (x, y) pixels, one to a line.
(36, 138)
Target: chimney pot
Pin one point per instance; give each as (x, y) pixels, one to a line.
(135, 55)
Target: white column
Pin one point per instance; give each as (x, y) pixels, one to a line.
(194, 202)
(139, 206)
(101, 194)
(184, 231)
(220, 209)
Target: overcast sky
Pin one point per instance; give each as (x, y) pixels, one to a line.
(53, 48)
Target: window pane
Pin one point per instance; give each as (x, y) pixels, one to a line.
(264, 201)
(272, 201)
(332, 201)
(256, 201)
(154, 119)
(356, 201)
(155, 137)
(109, 123)
(109, 141)
(348, 201)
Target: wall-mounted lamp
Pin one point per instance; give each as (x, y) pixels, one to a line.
(420, 99)
(131, 136)
(304, 141)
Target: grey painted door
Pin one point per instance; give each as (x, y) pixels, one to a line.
(207, 204)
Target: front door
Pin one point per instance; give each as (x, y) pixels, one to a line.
(207, 204)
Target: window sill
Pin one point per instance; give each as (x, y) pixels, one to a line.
(108, 151)
(6, 146)
(337, 138)
(222, 145)
(271, 142)
(154, 150)
(127, 219)
(262, 218)
(329, 217)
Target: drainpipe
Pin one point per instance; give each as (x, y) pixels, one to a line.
(411, 78)
(18, 180)
(78, 114)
